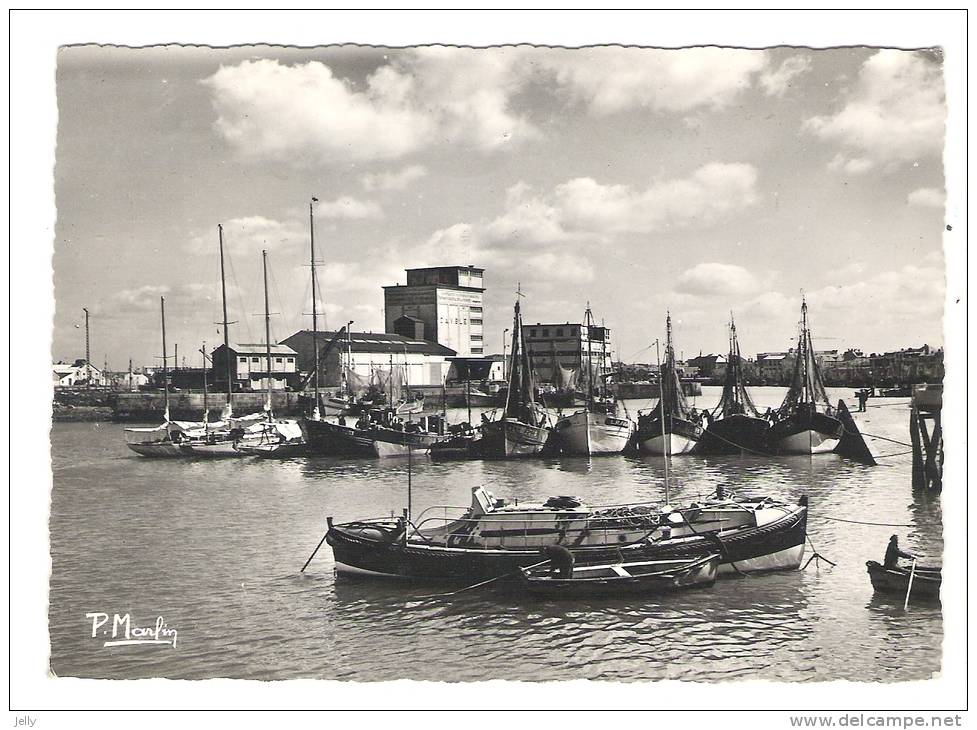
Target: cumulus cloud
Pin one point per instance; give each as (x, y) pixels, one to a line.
(776, 82)
(425, 97)
(141, 298)
(894, 113)
(612, 79)
(927, 197)
(393, 180)
(348, 207)
(716, 279)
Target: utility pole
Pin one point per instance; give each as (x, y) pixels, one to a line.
(88, 354)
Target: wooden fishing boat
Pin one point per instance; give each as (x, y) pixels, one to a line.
(669, 427)
(523, 427)
(375, 434)
(735, 424)
(623, 578)
(598, 429)
(806, 422)
(926, 581)
(494, 537)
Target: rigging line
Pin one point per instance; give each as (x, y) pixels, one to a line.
(898, 453)
(883, 438)
(858, 522)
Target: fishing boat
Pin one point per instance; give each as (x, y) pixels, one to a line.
(623, 578)
(379, 433)
(806, 422)
(494, 537)
(926, 582)
(561, 391)
(597, 429)
(735, 424)
(523, 427)
(669, 428)
(162, 440)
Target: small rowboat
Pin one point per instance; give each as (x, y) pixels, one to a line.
(926, 581)
(611, 579)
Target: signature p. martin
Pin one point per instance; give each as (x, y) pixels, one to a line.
(123, 633)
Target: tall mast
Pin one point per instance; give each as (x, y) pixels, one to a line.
(227, 343)
(88, 356)
(264, 271)
(666, 441)
(590, 360)
(166, 374)
(315, 314)
(512, 355)
(805, 395)
(603, 359)
(203, 352)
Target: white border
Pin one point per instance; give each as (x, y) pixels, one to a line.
(34, 40)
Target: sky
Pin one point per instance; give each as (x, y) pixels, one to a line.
(704, 181)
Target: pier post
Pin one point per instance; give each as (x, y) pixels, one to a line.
(926, 406)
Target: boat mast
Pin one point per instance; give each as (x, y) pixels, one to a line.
(203, 352)
(661, 401)
(264, 271)
(166, 374)
(590, 360)
(803, 352)
(227, 344)
(315, 315)
(603, 359)
(512, 356)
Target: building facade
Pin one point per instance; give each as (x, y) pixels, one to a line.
(423, 363)
(249, 366)
(441, 304)
(572, 345)
(68, 376)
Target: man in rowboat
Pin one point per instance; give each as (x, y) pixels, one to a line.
(893, 553)
(561, 560)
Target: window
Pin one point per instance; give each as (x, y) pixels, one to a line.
(278, 360)
(243, 360)
(546, 333)
(477, 337)
(476, 351)
(476, 310)
(255, 359)
(476, 322)
(559, 333)
(291, 360)
(532, 333)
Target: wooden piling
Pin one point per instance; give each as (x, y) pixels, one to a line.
(925, 411)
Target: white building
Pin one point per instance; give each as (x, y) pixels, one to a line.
(441, 304)
(571, 345)
(67, 376)
(249, 365)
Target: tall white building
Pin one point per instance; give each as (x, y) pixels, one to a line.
(442, 304)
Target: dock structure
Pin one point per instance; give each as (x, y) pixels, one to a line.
(926, 432)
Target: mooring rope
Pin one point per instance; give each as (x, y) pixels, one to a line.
(858, 522)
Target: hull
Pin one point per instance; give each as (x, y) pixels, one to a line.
(216, 450)
(378, 548)
(680, 437)
(509, 438)
(926, 581)
(801, 433)
(589, 433)
(158, 449)
(624, 579)
(325, 437)
(733, 435)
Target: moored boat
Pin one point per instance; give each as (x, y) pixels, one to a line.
(378, 433)
(493, 537)
(623, 578)
(926, 581)
(806, 422)
(523, 427)
(735, 424)
(669, 427)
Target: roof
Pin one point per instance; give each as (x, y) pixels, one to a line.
(373, 342)
(408, 317)
(468, 267)
(243, 348)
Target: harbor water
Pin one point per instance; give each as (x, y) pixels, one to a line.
(215, 548)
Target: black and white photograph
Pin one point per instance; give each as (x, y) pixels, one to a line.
(612, 364)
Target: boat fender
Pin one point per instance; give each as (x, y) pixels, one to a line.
(562, 502)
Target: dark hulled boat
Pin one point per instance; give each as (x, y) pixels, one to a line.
(806, 422)
(522, 428)
(926, 581)
(494, 538)
(735, 425)
(668, 428)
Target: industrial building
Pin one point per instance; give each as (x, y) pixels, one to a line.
(249, 367)
(571, 344)
(424, 363)
(442, 304)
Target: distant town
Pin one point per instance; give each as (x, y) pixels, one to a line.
(434, 334)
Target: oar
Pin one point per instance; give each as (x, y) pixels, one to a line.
(313, 553)
(912, 574)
